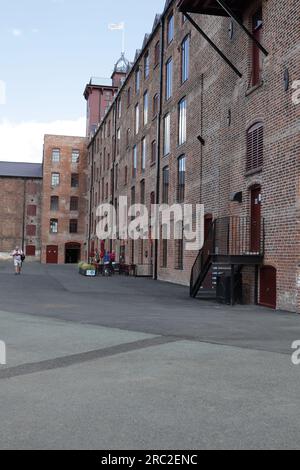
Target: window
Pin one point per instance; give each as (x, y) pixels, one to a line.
(128, 132)
(53, 226)
(153, 152)
(156, 53)
(155, 104)
(74, 204)
(73, 226)
(134, 161)
(185, 59)
(142, 190)
(54, 204)
(128, 97)
(164, 254)
(169, 78)
(125, 175)
(30, 250)
(55, 180)
(146, 65)
(55, 155)
(118, 141)
(74, 180)
(167, 134)
(137, 80)
(179, 251)
(181, 179)
(117, 176)
(182, 122)
(76, 154)
(144, 155)
(145, 117)
(255, 147)
(31, 230)
(165, 191)
(170, 29)
(257, 26)
(119, 106)
(31, 210)
(137, 119)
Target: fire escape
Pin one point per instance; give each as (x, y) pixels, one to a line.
(231, 242)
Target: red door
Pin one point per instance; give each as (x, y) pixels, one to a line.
(268, 287)
(255, 220)
(52, 254)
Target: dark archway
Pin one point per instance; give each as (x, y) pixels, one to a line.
(72, 253)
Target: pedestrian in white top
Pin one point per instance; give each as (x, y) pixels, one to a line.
(17, 255)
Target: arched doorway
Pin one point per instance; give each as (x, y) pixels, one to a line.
(268, 287)
(72, 253)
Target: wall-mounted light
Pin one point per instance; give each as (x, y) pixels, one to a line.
(286, 79)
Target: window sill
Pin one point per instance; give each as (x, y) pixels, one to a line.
(254, 88)
(254, 171)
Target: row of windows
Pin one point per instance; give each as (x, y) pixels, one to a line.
(55, 180)
(73, 226)
(54, 203)
(56, 156)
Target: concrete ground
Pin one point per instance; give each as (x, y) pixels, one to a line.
(124, 363)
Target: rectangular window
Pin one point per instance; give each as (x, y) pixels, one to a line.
(55, 180)
(31, 210)
(146, 65)
(164, 253)
(255, 147)
(155, 104)
(145, 108)
(128, 97)
(134, 161)
(76, 155)
(166, 181)
(54, 204)
(137, 80)
(153, 152)
(169, 78)
(167, 134)
(53, 226)
(185, 59)
(144, 155)
(179, 246)
(137, 119)
(73, 226)
(119, 108)
(118, 141)
(30, 250)
(125, 175)
(74, 204)
(74, 180)
(157, 54)
(257, 27)
(182, 122)
(142, 192)
(55, 155)
(170, 29)
(181, 179)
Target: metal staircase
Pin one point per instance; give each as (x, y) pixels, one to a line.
(231, 244)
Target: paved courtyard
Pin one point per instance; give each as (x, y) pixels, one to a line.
(124, 363)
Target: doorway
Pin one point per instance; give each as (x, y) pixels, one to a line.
(52, 254)
(72, 253)
(268, 287)
(255, 234)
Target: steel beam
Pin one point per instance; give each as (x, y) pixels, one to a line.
(213, 45)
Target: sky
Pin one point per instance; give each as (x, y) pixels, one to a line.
(49, 49)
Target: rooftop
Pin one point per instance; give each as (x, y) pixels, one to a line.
(21, 170)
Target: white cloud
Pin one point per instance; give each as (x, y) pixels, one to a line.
(16, 32)
(23, 142)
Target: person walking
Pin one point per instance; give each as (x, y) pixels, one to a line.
(18, 257)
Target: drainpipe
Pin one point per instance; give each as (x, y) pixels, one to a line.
(158, 140)
(91, 198)
(112, 176)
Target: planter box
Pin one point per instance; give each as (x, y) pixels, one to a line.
(87, 272)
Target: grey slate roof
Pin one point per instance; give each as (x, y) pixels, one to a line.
(21, 170)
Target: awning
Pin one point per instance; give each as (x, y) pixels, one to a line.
(212, 7)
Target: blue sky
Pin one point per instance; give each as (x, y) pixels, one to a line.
(48, 51)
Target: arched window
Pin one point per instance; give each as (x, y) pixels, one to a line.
(255, 147)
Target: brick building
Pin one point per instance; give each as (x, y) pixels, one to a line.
(205, 115)
(64, 204)
(20, 208)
